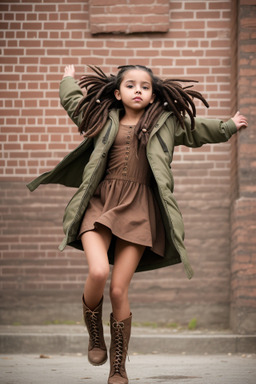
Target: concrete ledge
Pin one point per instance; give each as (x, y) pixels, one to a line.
(74, 339)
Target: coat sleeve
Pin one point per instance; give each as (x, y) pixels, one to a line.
(70, 94)
(205, 131)
(69, 171)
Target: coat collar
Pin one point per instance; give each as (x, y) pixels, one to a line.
(162, 119)
(114, 116)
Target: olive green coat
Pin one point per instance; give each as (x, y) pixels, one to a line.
(84, 168)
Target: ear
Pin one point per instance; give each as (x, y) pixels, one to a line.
(152, 98)
(117, 94)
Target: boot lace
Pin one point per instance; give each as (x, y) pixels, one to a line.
(120, 344)
(93, 329)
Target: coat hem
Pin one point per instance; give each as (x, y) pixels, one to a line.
(164, 262)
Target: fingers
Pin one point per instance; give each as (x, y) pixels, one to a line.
(69, 70)
(241, 120)
(69, 67)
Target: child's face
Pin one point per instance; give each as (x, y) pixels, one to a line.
(135, 90)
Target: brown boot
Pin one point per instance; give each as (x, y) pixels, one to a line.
(97, 351)
(120, 336)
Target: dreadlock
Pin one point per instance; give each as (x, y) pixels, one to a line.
(100, 98)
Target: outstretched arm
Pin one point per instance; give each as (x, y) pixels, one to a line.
(208, 130)
(70, 94)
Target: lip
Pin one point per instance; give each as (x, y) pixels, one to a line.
(137, 98)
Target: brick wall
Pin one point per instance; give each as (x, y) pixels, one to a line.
(243, 255)
(38, 39)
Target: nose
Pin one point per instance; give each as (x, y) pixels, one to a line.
(137, 90)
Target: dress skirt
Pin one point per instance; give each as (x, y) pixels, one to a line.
(124, 201)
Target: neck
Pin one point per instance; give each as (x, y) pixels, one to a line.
(131, 117)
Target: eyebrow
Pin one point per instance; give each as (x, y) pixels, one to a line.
(133, 81)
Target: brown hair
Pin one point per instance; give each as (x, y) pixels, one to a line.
(100, 99)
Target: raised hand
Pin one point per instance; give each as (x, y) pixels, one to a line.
(69, 71)
(240, 121)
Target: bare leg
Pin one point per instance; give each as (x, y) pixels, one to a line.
(96, 244)
(127, 257)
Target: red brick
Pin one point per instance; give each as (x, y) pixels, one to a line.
(194, 25)
(208, 15)
(29, 43)
(106, 2)
(195, 5)
(37, 26)
(219, 5)
(57, 25)
(182, 15)
(79, 26)
(21, 8)
(49, 8)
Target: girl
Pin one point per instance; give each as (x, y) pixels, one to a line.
(124, 212)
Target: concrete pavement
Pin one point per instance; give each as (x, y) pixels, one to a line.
(56, 354)
(141, 369)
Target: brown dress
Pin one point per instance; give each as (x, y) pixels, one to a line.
(124, 201)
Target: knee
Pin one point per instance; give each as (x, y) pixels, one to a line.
(117, 293)
(99, 274)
